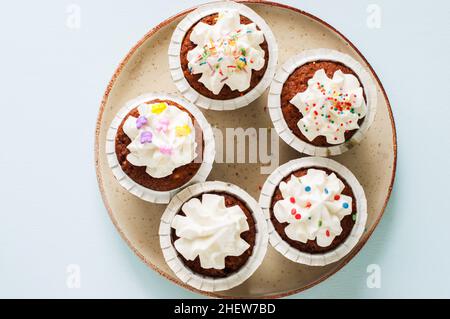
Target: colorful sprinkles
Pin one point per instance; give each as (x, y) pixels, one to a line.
(141, 121)
(313, 209)
(184, 130)
(146, 137)
(330, 110)
(158, 108)
(161, 125)
(224, 55)
(165, 150)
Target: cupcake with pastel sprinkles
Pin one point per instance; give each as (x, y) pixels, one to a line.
(213, 236)
(222, 56)
(158, 144)
(316, 210)
(322, 102)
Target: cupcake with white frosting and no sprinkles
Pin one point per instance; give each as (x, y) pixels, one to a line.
(213, 235)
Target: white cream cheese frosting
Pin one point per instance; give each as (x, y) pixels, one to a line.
(226, 52)
(210, 230)
(313, 206)
(162, 138)
(330, 107)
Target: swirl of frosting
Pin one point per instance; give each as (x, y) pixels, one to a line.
(226, 52)
(162, 138)
(330, 107)
(210, 230)
(313, 207)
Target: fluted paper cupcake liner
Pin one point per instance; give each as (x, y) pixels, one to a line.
(274, 101)
(147, 194)
(175, 64)
(199, 281)
(292, 253)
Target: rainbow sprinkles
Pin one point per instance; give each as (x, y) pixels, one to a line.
(330, 107)
(226, 52)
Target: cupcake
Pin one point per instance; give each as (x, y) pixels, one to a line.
(316, 210)
(222, 56)
(158, 144)
(213, 236)
(322, 102)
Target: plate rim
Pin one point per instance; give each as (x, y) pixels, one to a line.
(97, 144)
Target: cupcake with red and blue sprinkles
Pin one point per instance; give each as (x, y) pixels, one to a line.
(316, 209)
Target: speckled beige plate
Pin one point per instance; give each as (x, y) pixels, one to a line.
(145, 69)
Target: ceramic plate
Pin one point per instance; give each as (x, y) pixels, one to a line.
(145, 69)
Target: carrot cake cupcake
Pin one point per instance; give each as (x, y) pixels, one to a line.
(222, 56)
(316, 209)
(213, 235)
(322, 102)
(160, 144)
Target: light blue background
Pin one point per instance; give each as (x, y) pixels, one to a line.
(52, 79)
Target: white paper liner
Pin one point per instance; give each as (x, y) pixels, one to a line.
(198, 281)
(274, 101)
(292, 253)
(147, 194)
(175, 65)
